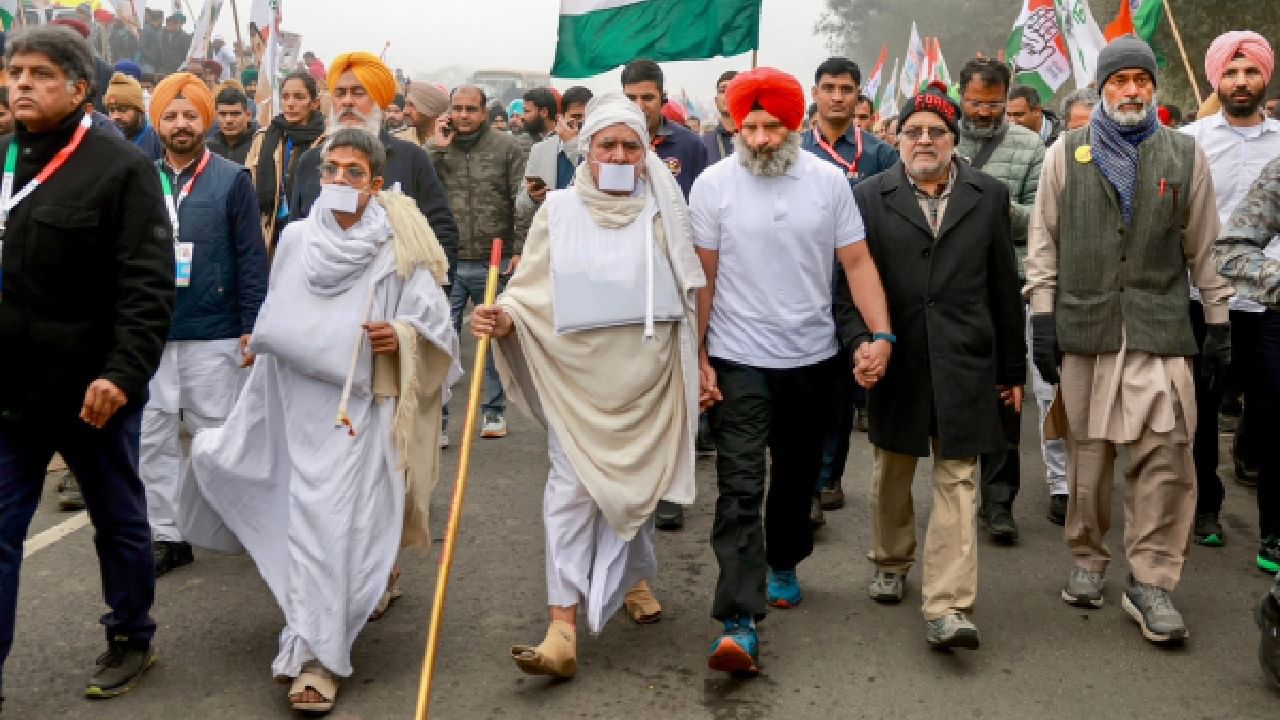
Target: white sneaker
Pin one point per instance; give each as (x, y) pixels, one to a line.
(444, 440)
(495, 426)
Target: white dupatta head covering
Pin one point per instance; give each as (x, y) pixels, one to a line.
(661, 187)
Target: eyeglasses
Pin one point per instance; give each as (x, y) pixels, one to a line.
(915, 133)
(330, 171)
(988, 106)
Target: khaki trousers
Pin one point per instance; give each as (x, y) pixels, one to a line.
(1159, 505)
(950, 544)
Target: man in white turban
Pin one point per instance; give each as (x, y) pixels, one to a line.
(597, 342)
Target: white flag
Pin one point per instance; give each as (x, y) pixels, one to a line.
(913, 64)
(890, 96)
(1084, 38)
(127, 10)
(204, 29)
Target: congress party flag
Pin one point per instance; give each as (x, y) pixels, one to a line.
(1037, 49)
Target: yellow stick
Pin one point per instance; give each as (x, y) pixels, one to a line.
(1177, 36)
(459, 490)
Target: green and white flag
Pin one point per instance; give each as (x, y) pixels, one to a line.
(1084, 39)
(598, 35)
(1037, 50)
(1147, 15)
(8, 12)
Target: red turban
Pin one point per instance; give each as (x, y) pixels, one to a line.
(81, 29)
(778, 93)
(372, 73)
(1238, 42)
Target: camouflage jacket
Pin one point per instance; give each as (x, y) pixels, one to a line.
(482, 182)
(1248, 251)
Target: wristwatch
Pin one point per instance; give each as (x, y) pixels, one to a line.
(887, 337)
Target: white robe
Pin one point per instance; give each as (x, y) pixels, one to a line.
(320, 511)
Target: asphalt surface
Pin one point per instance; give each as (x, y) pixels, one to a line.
(838, 655)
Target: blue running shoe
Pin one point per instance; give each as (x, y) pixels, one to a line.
(784, 589)
(737, 650)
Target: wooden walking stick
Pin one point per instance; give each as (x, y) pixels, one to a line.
(1177, 36)
(459, 489)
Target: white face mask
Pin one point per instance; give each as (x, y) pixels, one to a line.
(617, 178)
(338, 198)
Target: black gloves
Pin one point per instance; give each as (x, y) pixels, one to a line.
(1044, 346)
(1215, 355)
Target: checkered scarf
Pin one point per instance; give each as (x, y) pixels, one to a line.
(1115, 150)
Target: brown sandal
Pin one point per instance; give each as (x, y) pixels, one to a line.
(392, 594)
(642, 606)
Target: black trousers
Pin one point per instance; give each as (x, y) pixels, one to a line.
(835, 443)
(1204, 447)
(105, 463)
(1001, 471)
(1265, 399)
(785, 412)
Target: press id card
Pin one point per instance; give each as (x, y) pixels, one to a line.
(184, 252)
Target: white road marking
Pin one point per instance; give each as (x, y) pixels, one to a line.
(40, 541)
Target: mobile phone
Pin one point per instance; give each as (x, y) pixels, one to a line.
(537, 182)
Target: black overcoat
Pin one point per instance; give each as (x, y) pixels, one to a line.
(955, 306)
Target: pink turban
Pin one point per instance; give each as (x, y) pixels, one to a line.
(1238, 42)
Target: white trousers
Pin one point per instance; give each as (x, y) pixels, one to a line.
(587, 563)
(196, 384)
(1054, 452)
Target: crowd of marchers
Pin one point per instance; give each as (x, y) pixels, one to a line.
(759, 291)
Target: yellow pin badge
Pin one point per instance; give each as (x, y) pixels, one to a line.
(1084, 154)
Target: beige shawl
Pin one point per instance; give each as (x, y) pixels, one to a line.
(625, 410)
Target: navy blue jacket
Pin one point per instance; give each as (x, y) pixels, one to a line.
(148, 142)
(719, 144)
(877, 155)
(683, 152)
(229, 270)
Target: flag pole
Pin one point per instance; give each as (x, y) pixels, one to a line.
(235, 19)
(1177, 36)
(459, 489)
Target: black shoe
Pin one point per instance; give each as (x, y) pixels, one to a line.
(171, 555)
(861, 423)
(1268, 618)
(1208, 531)
(831, 496)
(702, 442)
(1058, 509)
(816, 518)
(1246, 473)
(669, 516)
(119, 669)
(1000, 525)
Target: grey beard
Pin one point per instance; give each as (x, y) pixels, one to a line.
(372, 123)
(1130, 119)
(967, 129)
(773, 164)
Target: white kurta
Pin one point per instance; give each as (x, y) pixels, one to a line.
(319, 510)
(196, 384)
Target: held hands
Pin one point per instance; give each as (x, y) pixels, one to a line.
(490, 321)
(709, 393)
(101, 401)
(870, 361)
(246, 357)
(382, 337)
(1011, 396)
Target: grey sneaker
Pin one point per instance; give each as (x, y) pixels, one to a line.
(1084, 588)
(495, 426)
(886, 587)
(952, 630)
(69, 497)
(119, 669)
(1153, 610)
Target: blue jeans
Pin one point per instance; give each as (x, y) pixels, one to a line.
(105, 462)
(468, 285)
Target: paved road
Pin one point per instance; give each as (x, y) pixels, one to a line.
(838, 655)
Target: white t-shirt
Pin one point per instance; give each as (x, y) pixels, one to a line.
(777, 238)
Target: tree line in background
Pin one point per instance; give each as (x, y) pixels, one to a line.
(858, 28)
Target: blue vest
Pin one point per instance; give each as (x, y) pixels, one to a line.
(209, 308)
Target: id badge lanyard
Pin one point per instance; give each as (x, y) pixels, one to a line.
(851, 168)
(8, 201)
(183, 252)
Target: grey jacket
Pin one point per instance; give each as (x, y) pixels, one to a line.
(1017, 164)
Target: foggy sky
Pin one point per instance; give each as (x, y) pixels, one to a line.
(430, 34)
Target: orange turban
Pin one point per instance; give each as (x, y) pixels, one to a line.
(185, 85)
(778, 93)
(372, 73)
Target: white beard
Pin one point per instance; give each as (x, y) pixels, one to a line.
(1130, 119)
(372, 123)
(773, 164)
